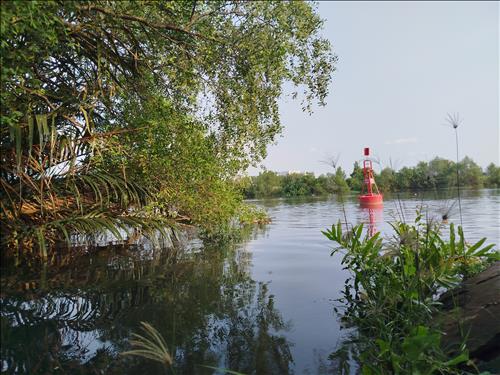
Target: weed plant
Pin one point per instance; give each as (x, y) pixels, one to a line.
(391, 296)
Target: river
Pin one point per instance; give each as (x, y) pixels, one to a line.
(263, 304)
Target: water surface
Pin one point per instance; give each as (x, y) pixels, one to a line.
(263, 305)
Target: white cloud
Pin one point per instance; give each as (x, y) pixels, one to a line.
(401, 141)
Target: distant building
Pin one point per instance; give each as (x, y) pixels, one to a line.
(286, 173)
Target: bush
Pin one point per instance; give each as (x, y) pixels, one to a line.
(391, 295)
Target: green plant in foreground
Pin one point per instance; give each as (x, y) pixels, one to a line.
(391, 296)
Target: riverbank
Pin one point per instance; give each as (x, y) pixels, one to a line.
(438, 174)
(473, 308)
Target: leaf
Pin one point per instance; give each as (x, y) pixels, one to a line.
(461, 244)
(327, 234)
(383, 346)
(112, 228)
(41, 123)
(41, 242)
(494, 255)
(476, 246)
(18, 145)
(30, 134)
(12, 133)
(420, 341)
(359, 231)
(462, 357)
(53, 134)
(367, 370)
(484, 251)
(86, 117)
(453, 250)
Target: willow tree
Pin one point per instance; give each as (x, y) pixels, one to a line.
(111, 108)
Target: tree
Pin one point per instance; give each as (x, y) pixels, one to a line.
(321, 185)
(267, 184)
(404, 178)
(422, 178)
(356, 179)
(126, 104)
(493, 176)
(298, 184)
(471, 174)
(340, 184)
(440, 171)
(386, 181)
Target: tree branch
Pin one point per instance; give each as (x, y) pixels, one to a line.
(143, 21)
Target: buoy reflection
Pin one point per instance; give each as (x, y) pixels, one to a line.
(375, 215)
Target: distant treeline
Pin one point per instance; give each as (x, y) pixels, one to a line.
(437, 174)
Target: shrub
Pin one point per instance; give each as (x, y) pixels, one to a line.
(391, 294)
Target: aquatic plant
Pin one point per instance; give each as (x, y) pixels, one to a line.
(391, 295)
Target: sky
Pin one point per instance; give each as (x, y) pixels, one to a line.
(403, 66)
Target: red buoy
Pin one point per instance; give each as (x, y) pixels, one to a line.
(370, 195)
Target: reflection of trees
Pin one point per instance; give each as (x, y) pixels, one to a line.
(205, 305)
(250, 331)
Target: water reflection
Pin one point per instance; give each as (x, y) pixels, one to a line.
(205, 304)
(228, 306)
(374, 215)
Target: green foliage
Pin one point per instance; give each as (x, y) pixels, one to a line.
(269, 184)
(390, 296)
(143, 109)
(266, 185)
(437, 174)
(250, 214)
(356, 178)
(339, 181)
(296, 184)
(492, 176)
(49, 194)
(470, 173)
(386, 180)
